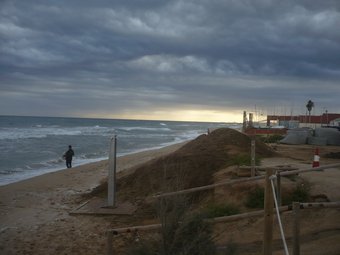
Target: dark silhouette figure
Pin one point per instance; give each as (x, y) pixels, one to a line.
(68, 156)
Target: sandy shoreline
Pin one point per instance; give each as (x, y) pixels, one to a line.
(35, 212)
(30, 204)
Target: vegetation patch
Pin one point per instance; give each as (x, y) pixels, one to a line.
(182, 233)
(255, 198)
(271, 138)
(245, 160)
(213, 211)
(300, 194)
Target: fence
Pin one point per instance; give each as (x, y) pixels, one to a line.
(271, 197)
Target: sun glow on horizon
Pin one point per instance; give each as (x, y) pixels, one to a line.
(176, 115)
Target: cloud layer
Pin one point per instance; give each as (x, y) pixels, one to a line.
(134, 58)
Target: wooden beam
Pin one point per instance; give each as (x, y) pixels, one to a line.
(211, 186)
(296, 228)
(285, 173)
(268, 215)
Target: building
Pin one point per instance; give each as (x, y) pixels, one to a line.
(312, 121)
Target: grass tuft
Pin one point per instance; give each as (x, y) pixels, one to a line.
(213, 211)
(255, 198)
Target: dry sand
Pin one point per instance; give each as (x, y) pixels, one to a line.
(35, 215)
(35, 212)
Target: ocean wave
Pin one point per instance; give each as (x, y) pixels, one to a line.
(91, 139)
(143, 128)
(25, 133)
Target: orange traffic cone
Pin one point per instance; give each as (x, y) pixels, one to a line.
(316, 161)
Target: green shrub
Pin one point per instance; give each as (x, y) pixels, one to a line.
(271, 138)
(244, 160)
(300, 194)
(213, 211)
(193, 236)
(181, 232)
(255, 198)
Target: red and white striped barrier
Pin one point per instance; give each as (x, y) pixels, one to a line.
(316, 161)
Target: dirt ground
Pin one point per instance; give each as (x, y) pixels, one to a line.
(35, 215)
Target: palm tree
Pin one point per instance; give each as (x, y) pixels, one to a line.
(310, 105)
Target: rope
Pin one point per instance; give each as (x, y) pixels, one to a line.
(278, 216)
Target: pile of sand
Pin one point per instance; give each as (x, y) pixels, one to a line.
(192, 165)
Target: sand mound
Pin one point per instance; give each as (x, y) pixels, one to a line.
(192, 165)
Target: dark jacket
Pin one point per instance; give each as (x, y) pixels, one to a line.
(69, 154)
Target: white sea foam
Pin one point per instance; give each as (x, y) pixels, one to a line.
(24, 133)
(43, 132)
(29, 171)
(144, 128)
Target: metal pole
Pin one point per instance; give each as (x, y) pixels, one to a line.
(296, 228)
(111, 190)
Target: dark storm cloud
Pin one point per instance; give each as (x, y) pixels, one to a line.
(109, 56)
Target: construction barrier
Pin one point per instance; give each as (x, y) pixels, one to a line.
(316, 161)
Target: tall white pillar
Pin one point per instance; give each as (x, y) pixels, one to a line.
(111, 189)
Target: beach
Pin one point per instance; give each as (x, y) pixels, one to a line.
(35, 212)
(35, 215)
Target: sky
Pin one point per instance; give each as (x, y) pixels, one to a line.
(190, 60)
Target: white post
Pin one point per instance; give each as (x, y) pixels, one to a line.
(111, 189)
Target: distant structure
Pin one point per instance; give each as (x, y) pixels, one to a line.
(244, 127)
(279, 124)
(335, 122)
(312, 121)
(254, 128)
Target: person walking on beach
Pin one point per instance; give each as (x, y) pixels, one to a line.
(68, 156)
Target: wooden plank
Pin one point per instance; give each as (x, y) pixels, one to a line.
(285, 173)
(211, 186)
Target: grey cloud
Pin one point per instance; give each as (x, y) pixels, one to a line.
(161, 53)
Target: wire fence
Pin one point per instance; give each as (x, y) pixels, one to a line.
(272, 187)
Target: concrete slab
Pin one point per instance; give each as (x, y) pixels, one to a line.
(98, 206)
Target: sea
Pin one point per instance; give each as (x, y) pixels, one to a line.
(32, 146)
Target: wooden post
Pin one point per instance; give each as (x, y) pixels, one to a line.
(296, 228)
(111, 189)
(278, 189)
(268, 215)
(109, 242)
(253, 156)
